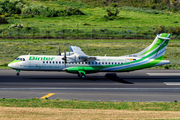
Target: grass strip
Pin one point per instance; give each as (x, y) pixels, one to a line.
(8, 113)
(73, 104)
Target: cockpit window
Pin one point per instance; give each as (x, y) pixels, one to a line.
(21, 59)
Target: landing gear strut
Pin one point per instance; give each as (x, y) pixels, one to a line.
(82, 74)
(18, 71)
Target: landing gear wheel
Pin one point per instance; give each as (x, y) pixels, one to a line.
(83, 76)
(17, 74)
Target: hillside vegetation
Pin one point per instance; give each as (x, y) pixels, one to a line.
(88, 18)
(168, 5)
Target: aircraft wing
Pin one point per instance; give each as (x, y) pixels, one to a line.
(81, 54)
(77, 51)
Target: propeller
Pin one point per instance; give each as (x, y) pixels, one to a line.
(59, 51)
(65, 58)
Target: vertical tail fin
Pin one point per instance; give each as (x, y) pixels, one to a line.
(157, 49)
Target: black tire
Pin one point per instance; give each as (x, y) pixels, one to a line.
(17, 74)
(83, 76)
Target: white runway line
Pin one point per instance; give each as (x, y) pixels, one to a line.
(89, 88)
(163, 74)
(172, 83)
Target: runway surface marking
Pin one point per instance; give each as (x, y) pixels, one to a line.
(172, 83)
(48, 95)
(89, 89)
(163, 74)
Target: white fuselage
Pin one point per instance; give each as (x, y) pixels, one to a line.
(55, 63)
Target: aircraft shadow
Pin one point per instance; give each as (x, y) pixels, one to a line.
(114, 77)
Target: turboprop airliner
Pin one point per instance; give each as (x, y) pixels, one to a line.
(77, 62)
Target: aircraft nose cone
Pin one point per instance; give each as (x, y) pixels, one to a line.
(10, 65)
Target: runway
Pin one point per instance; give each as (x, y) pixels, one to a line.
(139, 86)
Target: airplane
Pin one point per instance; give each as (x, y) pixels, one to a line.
(79, 63)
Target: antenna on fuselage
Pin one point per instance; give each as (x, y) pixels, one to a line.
(29, 54)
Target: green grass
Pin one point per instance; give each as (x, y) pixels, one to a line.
(94, 18)
(73, 104)
(94, 15)
(10, 49)
(142, 22)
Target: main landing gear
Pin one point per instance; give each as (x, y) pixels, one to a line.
(82, 74)
(18, 71)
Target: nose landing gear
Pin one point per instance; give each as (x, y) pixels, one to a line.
(17, 74)
(18, 71)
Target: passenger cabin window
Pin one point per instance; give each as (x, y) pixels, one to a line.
(47, 62)
(43, 62)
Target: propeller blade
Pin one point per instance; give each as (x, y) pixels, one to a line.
(65, 59)
(59, 51)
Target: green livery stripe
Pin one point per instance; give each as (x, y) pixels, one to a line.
(147, 56)
(147, 65)
(154, 46)
(89, 69)
(155, 52)
(14, 61)
(155, 55)
(142, 59)
(159, 41)
(162, 46)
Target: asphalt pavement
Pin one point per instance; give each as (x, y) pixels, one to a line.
(146, 85)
